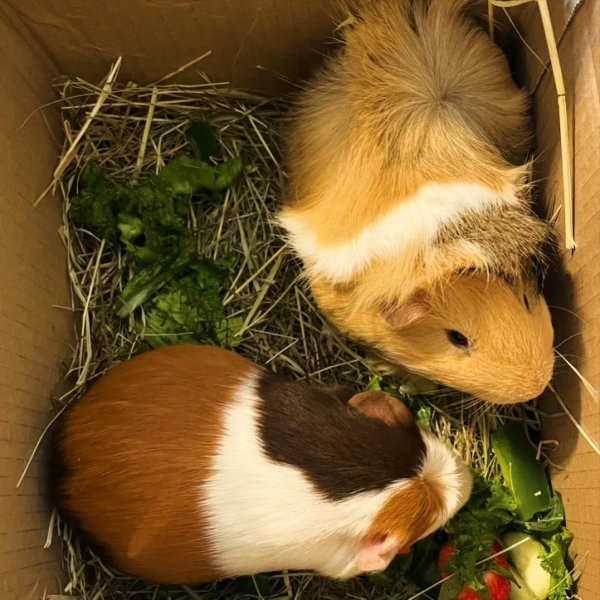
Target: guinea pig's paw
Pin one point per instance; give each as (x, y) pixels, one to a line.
(329, 336)
(413, 385)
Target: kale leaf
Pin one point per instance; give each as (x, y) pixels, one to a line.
(95, 208)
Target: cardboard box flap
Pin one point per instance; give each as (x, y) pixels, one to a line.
(34, 335)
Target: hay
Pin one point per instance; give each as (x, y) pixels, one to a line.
(132, 132)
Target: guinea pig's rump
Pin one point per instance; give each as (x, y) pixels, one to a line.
(131, 455)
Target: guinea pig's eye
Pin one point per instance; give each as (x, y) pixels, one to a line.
(457, 338)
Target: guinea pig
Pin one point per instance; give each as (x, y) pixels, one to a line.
(189, 464)
(409, 203)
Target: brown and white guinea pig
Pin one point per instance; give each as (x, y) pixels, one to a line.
(189, 464)
(409, 201)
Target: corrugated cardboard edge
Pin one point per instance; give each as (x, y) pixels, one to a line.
(257, 45)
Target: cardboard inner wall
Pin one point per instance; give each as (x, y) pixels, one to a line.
(158, 36)
(80, 37)
(33, 335)
(577, 287)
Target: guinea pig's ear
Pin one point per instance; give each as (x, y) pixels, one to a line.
(382, 406)
(343, 393)
(375, 554)
(412, 309)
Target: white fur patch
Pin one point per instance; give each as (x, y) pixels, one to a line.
(416, 220)
(267, 516)
(450, 473)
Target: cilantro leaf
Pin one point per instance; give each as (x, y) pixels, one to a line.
(489, 512)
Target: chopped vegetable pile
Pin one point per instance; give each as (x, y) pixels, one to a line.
(179, 290)
(514, 514)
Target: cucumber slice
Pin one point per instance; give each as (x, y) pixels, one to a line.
(519, 590)
(526, 559)
(523, 474)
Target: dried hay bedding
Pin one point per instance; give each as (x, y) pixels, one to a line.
(132, 131)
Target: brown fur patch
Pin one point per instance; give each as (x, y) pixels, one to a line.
(136, 450)
(517, 244)
(408, 514)
(341, 449)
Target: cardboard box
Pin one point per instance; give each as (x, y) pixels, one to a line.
(39, 40)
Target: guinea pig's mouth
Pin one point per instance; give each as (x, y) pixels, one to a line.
(509, 399)
(517, 390)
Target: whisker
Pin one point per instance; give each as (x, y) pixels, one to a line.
(588, 386)
(574, 314)
(568, 339)
(575, 422)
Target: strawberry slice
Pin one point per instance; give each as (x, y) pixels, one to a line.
(500, 560)
(468, 593)
(498, 586)
(446, 552)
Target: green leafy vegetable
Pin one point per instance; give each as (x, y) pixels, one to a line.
(489, 512)
(550, 521)
(96, 207)
(180, 291)
(189, 309)
(149, 280)
(187, 175)
(450, 590)
(374, 385)
(424, 415)
(202, 140)
(555, 562)
(420, 410)
(130, 228)
(495, 512)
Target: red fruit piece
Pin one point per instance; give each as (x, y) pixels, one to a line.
(499, 586)
(468, 593)
(500, 560)
(446, 551)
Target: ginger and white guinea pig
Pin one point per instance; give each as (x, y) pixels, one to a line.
(409, 202)
(189, 464)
